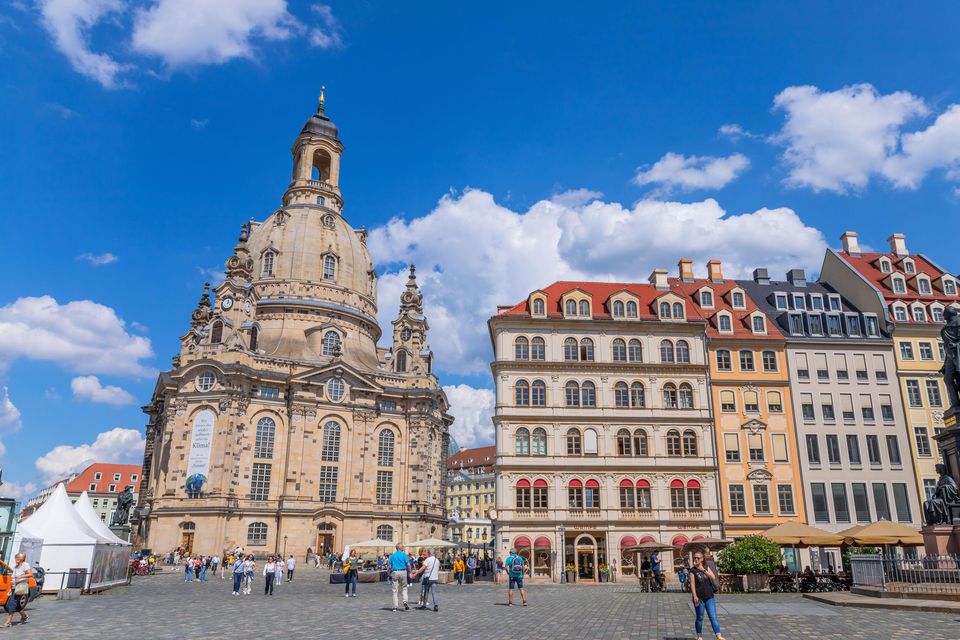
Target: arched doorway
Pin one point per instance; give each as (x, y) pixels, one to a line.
(187, 529)
(325, 538)
(585, 556)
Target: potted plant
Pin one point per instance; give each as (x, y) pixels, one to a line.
(754, 558)
(604, 572)
(571, 571)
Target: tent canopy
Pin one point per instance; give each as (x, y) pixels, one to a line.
(799, 534)
(431, 543)
(883, 532)
(85, 508)
(57, 522)
(375, 543)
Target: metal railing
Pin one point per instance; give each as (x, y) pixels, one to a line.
(893, 574)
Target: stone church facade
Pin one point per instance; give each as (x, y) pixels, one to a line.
(282, 426)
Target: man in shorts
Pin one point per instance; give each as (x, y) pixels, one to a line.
(515, 569)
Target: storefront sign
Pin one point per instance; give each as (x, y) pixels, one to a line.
(198, 464)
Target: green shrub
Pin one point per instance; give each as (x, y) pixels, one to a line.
(750, 554)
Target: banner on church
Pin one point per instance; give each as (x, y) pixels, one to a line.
(201, 442)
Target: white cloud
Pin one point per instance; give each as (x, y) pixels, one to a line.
(473, 410)
(116, 446)
(9, 414)
(89, 388)
(676, 171)
(18, 490)
(328, 34)
(69, 23)
(97, 259)
(473, 254)
(82, 336)
(837, 140)
(198, 124)
(735, 132)
(51, 393)
(936, 147)
(191, 32)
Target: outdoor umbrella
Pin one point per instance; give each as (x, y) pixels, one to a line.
(376, 543)
(713, 544)
(431, 543)
(797, 534)
(883, 532)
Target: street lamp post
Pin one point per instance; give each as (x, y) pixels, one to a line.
(284, 546)
(561, 531)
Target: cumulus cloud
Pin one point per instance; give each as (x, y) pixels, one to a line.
(473, 254)
(9, 414)
(97, 259)
(190, 32)
(118, 445)
(89, 388)
(735, 132)
(675, 171)
(69, 22)
(328, 34)
(473, 410)
(82, 336)
(18, 490)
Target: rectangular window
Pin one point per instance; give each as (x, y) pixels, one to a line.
(873, 326)
(861, 503)
(873, 449)
(929, 489)
(826, 407)
(806, 406)
(738, 503)
(781, 300)
(933, 393)
(97, 476)
(798, 302)
(834, 326)
(926, 351)
(778, 442)
(260, 481)
(833, 448)
(746, 361)
(815, 320)
(644, 502)
(902, 500)
(880, 501)
(731, 446)
(922, 437)
(328, 484)
(853, 449)
(846, 407)
(841, 506)
(813, 449)
(886, 407)
(879, 368)
(840, 361)
(906, 351)
(816, 302)
(755, 446)
(866, 407)
(796, 324)
(785, 499)
(761, 498)
(820, 363)
(539, 497)
(853, 325)
(913, 393)
(723, 361)
(759, 326)
(677, 498)
(860, 365)
(818, 493)
(575, 497)
(269, 393)
(834, 303)
(627, 498)
(893, 450)
(384, 487)
(803, 367)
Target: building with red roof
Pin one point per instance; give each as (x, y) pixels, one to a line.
(471, 493)
(103, 481)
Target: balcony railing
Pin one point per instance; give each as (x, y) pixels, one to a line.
(592, 512)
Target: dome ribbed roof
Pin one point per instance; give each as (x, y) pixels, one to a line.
(321, 125)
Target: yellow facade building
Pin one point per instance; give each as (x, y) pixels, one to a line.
(471, 493)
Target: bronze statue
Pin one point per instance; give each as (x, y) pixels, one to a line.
(951, 361)
(124, 501)
(937, 510)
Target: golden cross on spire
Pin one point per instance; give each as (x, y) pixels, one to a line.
(322, 89)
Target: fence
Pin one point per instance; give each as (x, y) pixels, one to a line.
(893, 574)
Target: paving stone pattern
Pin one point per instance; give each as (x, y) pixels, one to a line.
(164, 607)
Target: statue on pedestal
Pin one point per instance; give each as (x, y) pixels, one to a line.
(937, 510)
(951, 361)
(124, 501)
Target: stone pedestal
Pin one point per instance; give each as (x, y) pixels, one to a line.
(941, 539)
(122, 531)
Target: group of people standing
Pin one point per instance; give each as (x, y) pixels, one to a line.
(196, 567)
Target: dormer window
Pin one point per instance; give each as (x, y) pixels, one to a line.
(853, 325)
(885, 265)
(539, 308)
(873, 326)
(936, 312)
(908, 266)
(796, 324)
(632, 309)
(798, 302)
(923, 285)
(706, 298)
(619, 309)
(678, 310)
(816, 303)
(570, 308)
(899, 285)
(268, 263)
(949, 286)
(919, 314)
(584, 309)
(759, 324)
(737, 300)
(900, 313)
(834, 303)
(816, 324)
(780, 300)
(664, 310)
(724, 323)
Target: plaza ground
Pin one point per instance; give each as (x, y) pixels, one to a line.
(163, 606)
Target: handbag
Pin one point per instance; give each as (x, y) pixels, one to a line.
(21, 589)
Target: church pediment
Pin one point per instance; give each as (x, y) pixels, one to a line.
(354, 377)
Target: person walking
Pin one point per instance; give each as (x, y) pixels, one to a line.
(249, 569)
(203, 569)
(471, 568)
(702, 586)
(400, 570)
(430, 572)
(19, 590)
(215, 564)
(458, 568)
(515, 567)
(270, 573)
(655, 567)
(237, 568)
(499, 573)
(188, 570)
(279, 566)
(351, 564)
(291, 565)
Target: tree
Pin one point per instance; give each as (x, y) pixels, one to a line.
(750, 554)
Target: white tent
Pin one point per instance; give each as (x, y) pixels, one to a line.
(70, 544)
(85, 508)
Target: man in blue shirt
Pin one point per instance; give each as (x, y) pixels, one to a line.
(515, 570)
(399, 567)
(655, 566)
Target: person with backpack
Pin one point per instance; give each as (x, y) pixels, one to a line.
(703, 586)
(515, 569)
(430, 575)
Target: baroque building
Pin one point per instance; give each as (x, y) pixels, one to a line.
(603, 425)
(908, 293)
(282, 426)
(471, 493)
(755, 434)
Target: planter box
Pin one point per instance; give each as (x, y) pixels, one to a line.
(571, 576)
(756, 582)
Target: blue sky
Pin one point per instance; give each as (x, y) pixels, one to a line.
(515, 144)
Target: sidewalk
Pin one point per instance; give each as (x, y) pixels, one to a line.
(846, 599)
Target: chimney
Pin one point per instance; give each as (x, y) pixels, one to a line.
(686, 269)
(898, 244)
(850, 243)
(761, 276)
(659, 279)
(797, 277)
(714, 272)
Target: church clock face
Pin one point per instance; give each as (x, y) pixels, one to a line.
(405, 335)
(227, 303)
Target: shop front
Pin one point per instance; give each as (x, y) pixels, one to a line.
(586, 552)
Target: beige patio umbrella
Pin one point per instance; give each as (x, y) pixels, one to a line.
(713, 544)
(797, 534)
(431, 543)
(883, 532)
(375, 543)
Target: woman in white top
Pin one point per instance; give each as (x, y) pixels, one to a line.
(17, 602)
(249, 568)
(270, 573)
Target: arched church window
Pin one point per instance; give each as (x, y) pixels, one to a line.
(254, 338)
(263, 445)
(329, 267)
(330, 448)
(216, 332)
(385, 532)
(385, 448)
(257, 534)
(401, 362)
(331, 343)
(268, 263)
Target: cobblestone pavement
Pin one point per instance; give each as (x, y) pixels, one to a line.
(163, 606)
